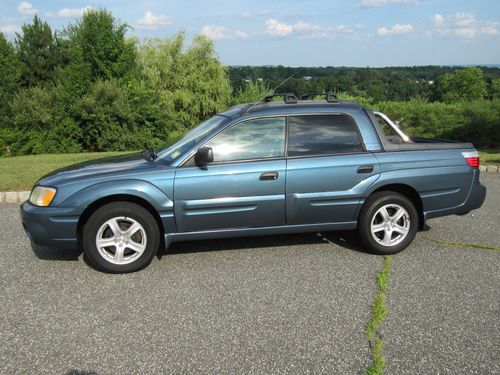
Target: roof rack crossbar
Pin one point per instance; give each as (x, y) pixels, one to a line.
(288, 97)
(329, 96)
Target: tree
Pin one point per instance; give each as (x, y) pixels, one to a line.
(38, 51)
(495, 88)
(464, 84)
(191, 83)
(98, 48)
(251, 92)
(10, 73)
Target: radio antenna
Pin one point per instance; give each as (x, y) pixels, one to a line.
(272, 92)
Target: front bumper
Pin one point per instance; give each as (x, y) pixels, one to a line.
(51, 226)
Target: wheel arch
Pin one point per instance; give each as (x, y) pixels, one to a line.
(92, 207)
(408, 192)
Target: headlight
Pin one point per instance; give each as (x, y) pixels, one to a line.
(42, 196)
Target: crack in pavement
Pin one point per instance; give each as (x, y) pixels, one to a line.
(378, 314)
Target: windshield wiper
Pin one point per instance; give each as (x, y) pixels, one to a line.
(150, 154)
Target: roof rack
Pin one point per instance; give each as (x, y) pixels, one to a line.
(288, 98)
(291, 98)
(330, 97)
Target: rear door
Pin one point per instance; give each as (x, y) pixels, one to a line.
(328, 169)
(245, 185)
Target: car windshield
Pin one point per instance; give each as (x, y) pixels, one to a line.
(173, 151)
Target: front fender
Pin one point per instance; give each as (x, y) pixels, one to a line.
(131, 187)
(138, 188)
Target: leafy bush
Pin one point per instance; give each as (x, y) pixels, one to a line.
(37, 125)
(476, 121)
(251, 92)
(464, 84)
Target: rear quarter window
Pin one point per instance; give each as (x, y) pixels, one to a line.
(323, 135)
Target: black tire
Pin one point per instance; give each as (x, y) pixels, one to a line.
(369, 210)
(126, 210)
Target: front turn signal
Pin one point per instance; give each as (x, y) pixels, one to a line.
(42, 196)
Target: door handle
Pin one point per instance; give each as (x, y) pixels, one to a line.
(269, 176)
(365, 169)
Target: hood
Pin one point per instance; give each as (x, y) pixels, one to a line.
(98, 167)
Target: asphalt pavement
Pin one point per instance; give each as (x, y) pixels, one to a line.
(282, 304)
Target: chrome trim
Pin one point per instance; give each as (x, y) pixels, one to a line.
(393, 125)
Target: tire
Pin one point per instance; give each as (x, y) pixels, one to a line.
(388, 231)
(120, 237)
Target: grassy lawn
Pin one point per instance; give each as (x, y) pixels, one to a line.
(21, 172)
(489, 157)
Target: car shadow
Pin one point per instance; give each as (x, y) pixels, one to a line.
(345, 239)
(49, 253)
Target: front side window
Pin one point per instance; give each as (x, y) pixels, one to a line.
(322, 135)
(252, 139)
(173, 151)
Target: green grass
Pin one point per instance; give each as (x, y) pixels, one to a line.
(377, 367)
(21, 172)
(470, 245)
(378, 314)
(489, 157)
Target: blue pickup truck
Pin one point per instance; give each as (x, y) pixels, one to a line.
(264, 168)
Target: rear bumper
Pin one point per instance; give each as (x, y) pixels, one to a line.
(474, 200)
(51, 226)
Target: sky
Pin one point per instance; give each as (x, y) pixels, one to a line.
(301, 33)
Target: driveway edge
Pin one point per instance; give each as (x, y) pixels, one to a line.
(14, 196)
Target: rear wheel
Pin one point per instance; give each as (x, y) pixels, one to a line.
(387, 223)
(120, 237)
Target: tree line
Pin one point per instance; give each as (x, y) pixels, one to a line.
(431, 83)
(89, 87)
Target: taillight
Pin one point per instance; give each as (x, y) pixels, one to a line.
(472, 158)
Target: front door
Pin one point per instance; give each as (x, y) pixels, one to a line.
(244, 187)
(327, 171)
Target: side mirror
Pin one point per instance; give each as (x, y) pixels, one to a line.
(203, 156)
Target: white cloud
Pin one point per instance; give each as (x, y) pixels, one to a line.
(69, 12)
(438, 19)
(8, 29)
(330, 32)
(462, 19)
(490, 28)
(253, 15)
(396, 29)
(240, 34)
(305, 30)
(303, 26)
(276, 28)
(379, 3)
(463, 25)
(214, 32)
(153, 21)
(26, 8)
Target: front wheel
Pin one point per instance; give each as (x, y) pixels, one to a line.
(120, 237)
(388, 223)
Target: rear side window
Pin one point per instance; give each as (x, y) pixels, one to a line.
(322, 135)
